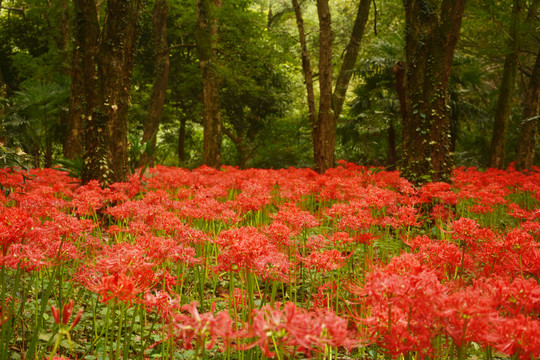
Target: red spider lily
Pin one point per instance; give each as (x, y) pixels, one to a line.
(468, 315)
(160, 249)
(512, 297)
(518, 337)
(324, 296)
(89, 198)
(443, 257)
(279, 234)
(198, 327)
(403, 300)
(470, 233)
(248, 249)
(162, 302)
(63, 317)
(297, 219)
(296, 328)
(118, 286)
(325, 261)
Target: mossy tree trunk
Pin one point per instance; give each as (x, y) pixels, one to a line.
(432, 31)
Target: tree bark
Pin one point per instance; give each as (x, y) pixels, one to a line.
(182, 140)
(308, 76)
(161, 80)
(349, 60)
(306, 64)
(73, 142)
(431, 36)
(205, 38)
(506, 93)
(326, 122)
(106, 91)
(84, 87)
(529, 127)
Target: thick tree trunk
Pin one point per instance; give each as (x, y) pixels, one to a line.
(326, 122)
(529, 127)
(505, 99)
(431, 38)
(106, 91)
(87, 40)
(161, 80)
(205, 37)
(115, 65)
(349, 60)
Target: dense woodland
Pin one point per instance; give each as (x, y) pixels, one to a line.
(104, 87)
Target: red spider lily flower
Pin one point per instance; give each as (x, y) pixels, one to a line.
(470, 233)
(325, 261)
(518, 337)
(198, 327)
(248, 249)
(118, 286)
(441, 256)
(62, 319)
(326, 293)
(467, 315)
(512, 297)
(297, 219)
(162, 302)
(89, 198)
(298, 329)
(403, 300)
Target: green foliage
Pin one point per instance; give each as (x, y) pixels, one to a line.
(33, 120)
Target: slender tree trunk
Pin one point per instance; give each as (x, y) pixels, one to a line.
(161, 80)
(182, 140)
(205, 37)
(73, 142)
(308, 75)
(349, 60)
(431, 38)
(3, 94)
(506, 93)
(391, 155)
(529, 127)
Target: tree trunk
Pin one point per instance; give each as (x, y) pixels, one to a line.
(87, 40)
(431, 38)
(351, 53)
(161, 80)
(506, 93)
(326, 122)
(205, 38)
(106, 91)
(182, 140)
(391, 155)
(308, 75)
(529, 127)
(73, 142)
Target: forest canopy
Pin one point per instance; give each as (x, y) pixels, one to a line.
(105, 87)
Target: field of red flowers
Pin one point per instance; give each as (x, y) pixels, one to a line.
(285, 264)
